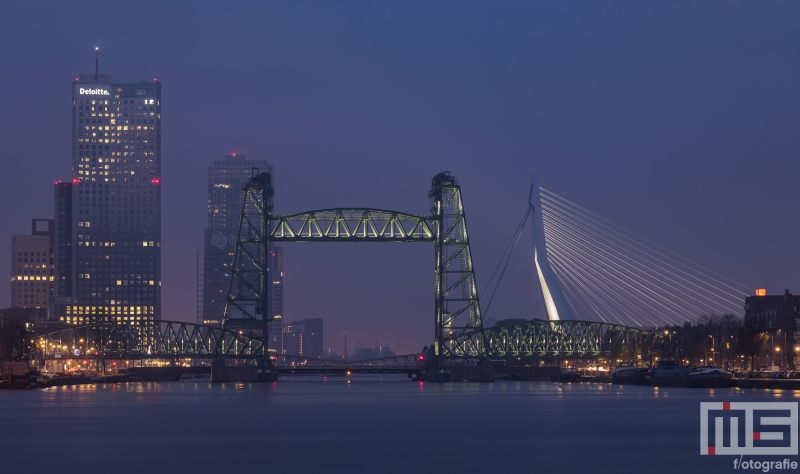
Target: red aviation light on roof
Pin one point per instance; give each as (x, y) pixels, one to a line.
(156, 181)
(76, 180)
(58, 182)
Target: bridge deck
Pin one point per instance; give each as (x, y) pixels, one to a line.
(347, 371)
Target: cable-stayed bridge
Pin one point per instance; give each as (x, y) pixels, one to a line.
(590, 268)
(601, 285)
(619, 276)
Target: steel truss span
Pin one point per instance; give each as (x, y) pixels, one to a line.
(566, 338)
(351, 225)
(157, 339)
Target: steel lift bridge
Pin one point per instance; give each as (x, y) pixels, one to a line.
(458, 330)
(459, 334)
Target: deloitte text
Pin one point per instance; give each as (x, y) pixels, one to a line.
(83, 91)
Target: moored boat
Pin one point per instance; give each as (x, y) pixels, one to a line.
(566, 375)
(627, 375)
(669, 373)
(194, 377)
(711, 377)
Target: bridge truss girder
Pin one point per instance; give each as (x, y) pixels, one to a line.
(351, 225)
(565, 338)
(156, 339)
(175, 339)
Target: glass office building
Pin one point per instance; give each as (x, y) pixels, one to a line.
(116, 201)
(225, 180)
(63, 287)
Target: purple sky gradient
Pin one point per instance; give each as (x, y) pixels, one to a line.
(677, 120)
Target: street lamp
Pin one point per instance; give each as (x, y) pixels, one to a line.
(796, 351)
(712, 348)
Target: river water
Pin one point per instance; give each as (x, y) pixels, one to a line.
(371, 424)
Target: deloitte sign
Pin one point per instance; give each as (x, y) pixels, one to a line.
(83, 91)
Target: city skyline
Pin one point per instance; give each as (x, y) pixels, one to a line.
(698, 167)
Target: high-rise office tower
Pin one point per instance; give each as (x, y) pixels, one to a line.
(32, 266)
(200, 291)
(303, 338)
(116, 201)
(276, 326)
(63, 285)
(225, 180)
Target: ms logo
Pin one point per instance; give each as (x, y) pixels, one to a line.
(759, 428)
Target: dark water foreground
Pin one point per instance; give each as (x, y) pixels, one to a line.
(371, 425)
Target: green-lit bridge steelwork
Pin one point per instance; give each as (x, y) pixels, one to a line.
(352, 225)
(458, 325)
(181, 340)
(153, 340)
(568, 338)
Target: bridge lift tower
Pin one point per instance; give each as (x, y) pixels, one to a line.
(248, 306)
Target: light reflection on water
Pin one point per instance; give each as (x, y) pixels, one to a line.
(371, 424)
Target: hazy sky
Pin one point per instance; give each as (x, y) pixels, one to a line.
(677, 120)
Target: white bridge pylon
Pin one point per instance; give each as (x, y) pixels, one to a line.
(554, 300)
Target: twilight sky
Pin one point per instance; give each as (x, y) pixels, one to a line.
(677, 120)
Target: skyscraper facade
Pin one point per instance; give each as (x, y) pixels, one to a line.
(116, 201)
(32, 266)
(63, 285)
(276, 326)
(225, 180)
(303, 338)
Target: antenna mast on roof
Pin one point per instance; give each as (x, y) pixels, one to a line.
(96, 63)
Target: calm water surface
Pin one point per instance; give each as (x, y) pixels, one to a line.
(371, 425)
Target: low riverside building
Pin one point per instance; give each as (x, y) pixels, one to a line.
(779, 316)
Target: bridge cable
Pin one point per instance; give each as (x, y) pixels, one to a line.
(660, 278)
(621, 276)
(622, 253)
(585, 225)
(509, 250)
(622, 231)
(613, 274)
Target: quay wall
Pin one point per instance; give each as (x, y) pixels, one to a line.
(165, 374)
(782, 384)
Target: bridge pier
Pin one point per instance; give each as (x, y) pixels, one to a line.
(241, 373)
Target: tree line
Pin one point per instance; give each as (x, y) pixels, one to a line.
(718, 340)
(14, 338)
